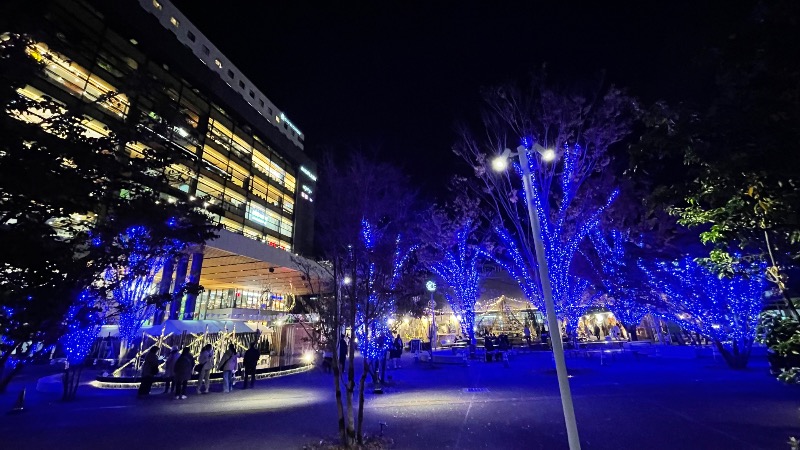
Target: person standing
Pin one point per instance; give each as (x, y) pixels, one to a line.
(397, 351)
(206, 362)
(526, 333)
(342, 353)
(228, 367)
(183, 373)
(251, 357)
(597, 332)
(169, 370)
(149, 371)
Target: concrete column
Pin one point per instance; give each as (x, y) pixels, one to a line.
(180, 280)
(163, 288)
(194, 278)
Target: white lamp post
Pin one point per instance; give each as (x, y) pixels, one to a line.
(431, 287)
(499, 164)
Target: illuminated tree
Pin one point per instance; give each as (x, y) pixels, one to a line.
(725, 309)
(620, 278)
(363, 206)
(570, 192)
(459, 268)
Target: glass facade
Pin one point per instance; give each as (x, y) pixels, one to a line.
(221, 161)
(242, 298)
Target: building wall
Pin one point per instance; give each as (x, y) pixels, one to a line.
(231, 155)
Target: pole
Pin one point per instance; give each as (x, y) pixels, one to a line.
(552, 320)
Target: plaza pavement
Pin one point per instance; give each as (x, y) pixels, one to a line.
(655, 403)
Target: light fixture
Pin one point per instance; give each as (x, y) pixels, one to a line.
(347, 280)
(500, 163)
(430, 286)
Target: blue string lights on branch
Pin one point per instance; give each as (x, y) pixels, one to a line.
(459, 270)
(136, 280)
(562, 231)
(723, 309)
(82, 326)
(378, 289)
(622, 298)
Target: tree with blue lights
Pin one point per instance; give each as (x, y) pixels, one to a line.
(626, 291)
(724, 309)
(570, 190)
(459, 268)
(366, 229)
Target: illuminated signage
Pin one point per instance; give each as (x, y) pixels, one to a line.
(308, 173)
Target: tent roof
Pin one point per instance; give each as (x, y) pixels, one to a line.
(189, 326)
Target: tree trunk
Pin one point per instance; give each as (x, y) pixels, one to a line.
(7, 375)
(337, 387)
(71, 379)
(361, 383)
(737, 356)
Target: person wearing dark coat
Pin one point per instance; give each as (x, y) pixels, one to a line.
(169, 370)
(183, 373)
(342, 353)
(149, 371)
(251, 357)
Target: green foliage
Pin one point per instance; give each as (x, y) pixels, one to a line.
(781, 335)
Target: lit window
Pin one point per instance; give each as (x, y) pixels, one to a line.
(218, 63)
(157, 5)
(174, 21)
(241, 84)
(191, 36)
(277, 119)
(206, 50)
(230, 74)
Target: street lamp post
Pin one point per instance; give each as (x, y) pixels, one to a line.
(431, 287)
(499, 164)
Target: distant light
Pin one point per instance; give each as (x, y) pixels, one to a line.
(390, 320)
(430, 286)
(347, 280)
(548, 155)
(308, 173)
(500, 163)
(174, 21)
(192, 198)
(406, 320)
(308, 357)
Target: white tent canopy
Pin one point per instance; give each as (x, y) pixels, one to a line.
(189, 326)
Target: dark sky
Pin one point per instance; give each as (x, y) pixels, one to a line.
(399, 74)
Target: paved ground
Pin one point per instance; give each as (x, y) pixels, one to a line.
(650, 404)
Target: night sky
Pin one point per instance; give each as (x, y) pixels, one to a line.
(398, 75)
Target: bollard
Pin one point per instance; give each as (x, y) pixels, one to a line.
(19, 405)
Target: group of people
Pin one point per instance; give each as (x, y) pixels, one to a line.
(395, 351)
(180, 366)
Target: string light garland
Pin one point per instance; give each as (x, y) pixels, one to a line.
(724, 309)
(459, 270)
(562, 234)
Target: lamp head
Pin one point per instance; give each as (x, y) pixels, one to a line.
(548, 154)
(430, 286)
(500, 163)
(347, 280)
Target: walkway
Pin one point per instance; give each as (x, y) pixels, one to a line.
(653, 404)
